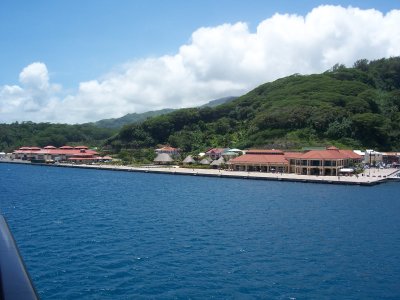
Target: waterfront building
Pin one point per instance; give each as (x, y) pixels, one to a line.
(215, 153)
(168, 150)
(51, 153)
(329, 161)
(321, 162)
(163, 159)
(261, 160)
(373, 157)
(390, 157)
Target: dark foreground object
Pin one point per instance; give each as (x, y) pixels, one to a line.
(15, 282)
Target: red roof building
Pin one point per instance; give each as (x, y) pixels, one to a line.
(51, 153)
(168, 150)
(261, 160)
(325, 162)
(313, 162)
(215, 153)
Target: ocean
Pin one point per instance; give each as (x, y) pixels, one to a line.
(94, 234)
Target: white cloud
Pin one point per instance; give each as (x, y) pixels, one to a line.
(32, 98)
(35, 76)
(218, 61)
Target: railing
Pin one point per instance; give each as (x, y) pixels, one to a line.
(15, 282)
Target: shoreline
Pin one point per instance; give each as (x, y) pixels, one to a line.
(378, 176)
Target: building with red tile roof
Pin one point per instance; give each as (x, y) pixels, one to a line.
(51, 153)
(215, 153)
(168, 150)
(314, 162)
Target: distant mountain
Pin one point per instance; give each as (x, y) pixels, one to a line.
(220, 101)
(116, 123)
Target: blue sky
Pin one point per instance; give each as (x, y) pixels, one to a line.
(80, 41)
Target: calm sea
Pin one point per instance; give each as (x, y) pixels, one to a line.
(90, 234)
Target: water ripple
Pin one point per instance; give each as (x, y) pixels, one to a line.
(87, 234)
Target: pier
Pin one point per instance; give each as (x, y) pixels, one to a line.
(369, 177)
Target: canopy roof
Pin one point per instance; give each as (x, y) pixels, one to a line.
(189, 160)
(163, 157)
(218, 162)
(204, 161)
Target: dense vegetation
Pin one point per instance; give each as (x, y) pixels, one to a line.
(15, 135)
(117, 123)
(355, 107)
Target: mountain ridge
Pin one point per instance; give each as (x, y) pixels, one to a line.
(116, 123)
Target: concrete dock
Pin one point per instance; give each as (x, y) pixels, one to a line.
(369, 177)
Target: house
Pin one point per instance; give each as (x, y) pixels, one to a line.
(373, 157)
(321, 162)
(51, 153)
(390, 157)
(313, 162)
(168, 150)
(261, 160)
(215, 153)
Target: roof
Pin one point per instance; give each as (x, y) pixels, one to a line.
(50, 147)
(189, 160)
(351, 154)
(29, 148)
(259, 159)
(264, 151)
(292, 155)
(218, 162)
(168, 149)
(84, 154)
(54, 151)
(323, 154)
(204, 161)
(235, 150)
(215, 150)
(66, 147)
(389, 154)
(230, 153)
(332, 148)
(163, 157)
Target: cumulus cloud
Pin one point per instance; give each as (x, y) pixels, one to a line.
(217, 61)
(31, 98)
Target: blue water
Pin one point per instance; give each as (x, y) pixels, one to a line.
(89, 234)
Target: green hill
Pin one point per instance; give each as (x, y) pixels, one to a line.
(15, 135)
(117, 123)
(355, 107)
(130, 118)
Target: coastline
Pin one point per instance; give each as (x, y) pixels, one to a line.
(369, 178)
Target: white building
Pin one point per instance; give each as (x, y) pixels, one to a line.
(373, 157)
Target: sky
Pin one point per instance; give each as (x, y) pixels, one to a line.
(73, 61)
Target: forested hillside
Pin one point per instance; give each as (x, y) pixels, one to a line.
(117, 123)
(15, 135)
(355, 107)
